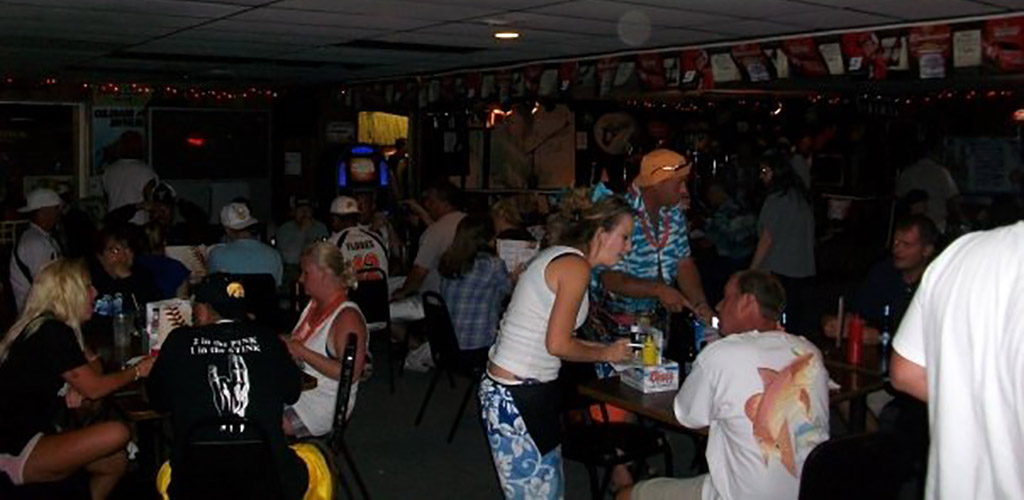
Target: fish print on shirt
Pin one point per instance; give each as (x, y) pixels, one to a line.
(786, 400)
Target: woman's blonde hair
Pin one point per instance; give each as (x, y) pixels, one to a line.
(508, 209)
(327, 256)
(579, 218)
(60, 290)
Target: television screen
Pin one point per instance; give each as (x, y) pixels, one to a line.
(209, 144)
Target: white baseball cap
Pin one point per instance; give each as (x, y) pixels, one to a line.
(40, 198)
(236, 216)
(344, 205)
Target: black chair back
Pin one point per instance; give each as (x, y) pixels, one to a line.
(348, 370)
(444, 346)
(372, 295)
(871, 465)
(241, 467)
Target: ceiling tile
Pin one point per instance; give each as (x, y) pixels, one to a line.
(612, 11)
(531, 20)
(229, 49)
(285, 31)
(835, 19)
(177, 8)
(96, 18)
(316, 18)
(925, 9)
(753, 28)
(740, 8)
(395, 8)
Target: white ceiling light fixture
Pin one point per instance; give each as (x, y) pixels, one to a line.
(506, 35)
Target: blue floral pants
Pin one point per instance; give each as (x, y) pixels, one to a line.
(522, 471)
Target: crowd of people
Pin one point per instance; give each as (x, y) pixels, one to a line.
(603, 262)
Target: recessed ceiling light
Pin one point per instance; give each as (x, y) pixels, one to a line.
(506, 35)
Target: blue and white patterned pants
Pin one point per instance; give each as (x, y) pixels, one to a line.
(522, 471)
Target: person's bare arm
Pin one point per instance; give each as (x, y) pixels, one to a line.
(568, 277)
(764, 243)
(631, 286)
(908, 377)
(688, 278)
(350, 321)
(413, 282)
(94, 385)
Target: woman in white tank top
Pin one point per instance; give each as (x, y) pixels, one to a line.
(518, 397)
(319, 338)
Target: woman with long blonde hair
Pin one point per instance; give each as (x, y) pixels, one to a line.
(318, 341)
(42, 361)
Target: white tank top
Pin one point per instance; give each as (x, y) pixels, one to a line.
(520, 347)
(316, 406)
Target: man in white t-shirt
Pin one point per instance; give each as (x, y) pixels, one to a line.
(762, 392)
(441, 203)
(125, 180)
(960, 348)
(37, 246)
(929, 176)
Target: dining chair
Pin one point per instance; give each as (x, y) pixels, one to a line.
(873, 465)
(372, 297)
(448, 358)
(220, 467)
(332, 445)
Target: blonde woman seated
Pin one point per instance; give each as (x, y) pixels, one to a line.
(43, 365)
(318, 340)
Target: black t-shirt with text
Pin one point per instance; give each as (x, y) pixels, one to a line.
(229, 369)
(30, 379)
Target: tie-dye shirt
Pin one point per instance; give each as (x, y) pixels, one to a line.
(644, 259)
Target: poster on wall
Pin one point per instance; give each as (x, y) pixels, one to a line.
(533, 149)
(108, 123)
(930, 47)
(1003, 41)
(753, 62)
(803, 57)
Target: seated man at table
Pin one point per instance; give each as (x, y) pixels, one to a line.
(764, 394)
(228, 367)
(893, 282)
(243, 253)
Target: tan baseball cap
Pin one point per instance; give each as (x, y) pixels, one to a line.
(659, 165)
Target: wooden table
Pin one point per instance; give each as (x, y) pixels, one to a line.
(854, 384)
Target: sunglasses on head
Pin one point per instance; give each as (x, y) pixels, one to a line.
(673, 168)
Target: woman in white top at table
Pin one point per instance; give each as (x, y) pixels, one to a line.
(519, 397)
(318, 340)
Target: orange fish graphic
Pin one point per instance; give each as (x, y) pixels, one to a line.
(785, 396)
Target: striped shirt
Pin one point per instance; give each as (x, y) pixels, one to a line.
(645, 258)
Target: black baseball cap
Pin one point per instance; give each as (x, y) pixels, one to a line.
(224, 293)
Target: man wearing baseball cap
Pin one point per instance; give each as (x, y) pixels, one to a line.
(659, 274)
(37, 246)
(360, 246)
(243, 253)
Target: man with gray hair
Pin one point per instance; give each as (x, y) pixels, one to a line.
(763, 393)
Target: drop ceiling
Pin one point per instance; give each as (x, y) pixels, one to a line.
(310, 41)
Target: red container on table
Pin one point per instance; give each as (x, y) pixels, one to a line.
(854, 340)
